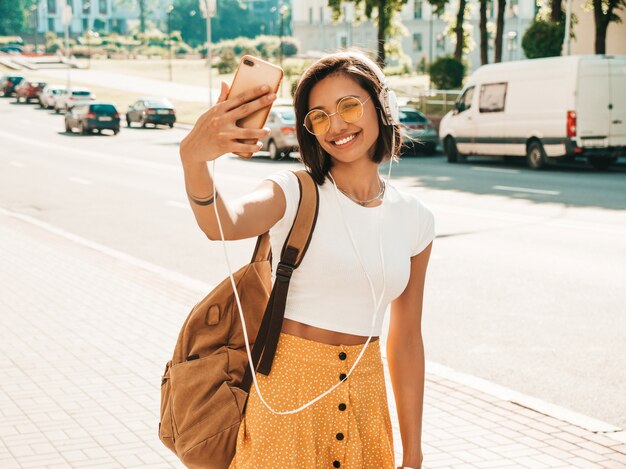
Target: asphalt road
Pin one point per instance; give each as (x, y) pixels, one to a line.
(526, 282)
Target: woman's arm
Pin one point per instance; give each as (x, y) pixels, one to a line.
(213, 135)
(405, 356)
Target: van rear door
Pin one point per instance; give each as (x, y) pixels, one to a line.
(593, 117)
(617, 105)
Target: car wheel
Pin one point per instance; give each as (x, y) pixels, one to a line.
(171, 125)
(535, 155)
(68, 129)
(127, 122)
(56, 110)
(601, 162)
(273, 149)
(116, 131)
(143, 122)
(451, 151)
(430, 148)
(82, 129)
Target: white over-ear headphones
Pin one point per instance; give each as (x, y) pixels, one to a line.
(387, 97)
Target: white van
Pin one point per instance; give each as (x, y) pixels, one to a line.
(552, 109)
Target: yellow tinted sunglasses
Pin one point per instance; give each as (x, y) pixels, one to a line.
(349, 108)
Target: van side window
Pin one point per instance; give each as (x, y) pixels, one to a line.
(492, 97)
(465, 100)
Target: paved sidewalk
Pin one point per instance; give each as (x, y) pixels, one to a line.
(83, 342)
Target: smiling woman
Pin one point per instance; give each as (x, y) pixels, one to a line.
(370, 248)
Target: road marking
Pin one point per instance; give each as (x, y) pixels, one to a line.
(173, 203)
(180, 279)
(17, 164)
(85, 182)
(495, 170)
(525, 189)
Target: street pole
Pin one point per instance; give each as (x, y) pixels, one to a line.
(67, 19)
(169, 37)
(566, 38)
(209, 9)
(430, 45)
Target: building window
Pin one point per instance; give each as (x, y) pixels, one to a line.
(52, 8)
(87, 7)
(103, 7)
(310, 15)
(85, 24)
(322, 15)
(441, 42)
(51, 24)
(417, 9)
(417, 42)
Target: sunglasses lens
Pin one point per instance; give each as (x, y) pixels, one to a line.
(350, 109)
(317, 122)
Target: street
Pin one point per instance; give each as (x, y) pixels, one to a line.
(525, 285)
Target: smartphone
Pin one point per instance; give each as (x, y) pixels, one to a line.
(251, 73)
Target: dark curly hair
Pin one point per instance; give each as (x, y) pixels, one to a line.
(317, 160)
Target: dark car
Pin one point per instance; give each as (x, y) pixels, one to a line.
(156, 111)
(10, 82)
(89, 116)
(418, 133)
(29, 90)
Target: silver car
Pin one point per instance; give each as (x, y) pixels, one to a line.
(281, 141)
(418, 134)
(48, 96)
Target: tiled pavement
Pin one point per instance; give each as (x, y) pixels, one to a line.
(84, 337)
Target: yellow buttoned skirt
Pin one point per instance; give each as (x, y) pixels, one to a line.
(348, 428)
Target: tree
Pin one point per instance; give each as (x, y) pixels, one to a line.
(605, 12)
(145, 8)
(459, 32)
(484, 36)
(233, 20)
(500, 30)
(11, 17)
(542, 39)
(186, 18)
(556, 11)
(384, 12)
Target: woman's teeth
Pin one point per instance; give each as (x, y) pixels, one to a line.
(343, 141)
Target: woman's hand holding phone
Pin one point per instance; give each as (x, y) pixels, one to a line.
(216, 132)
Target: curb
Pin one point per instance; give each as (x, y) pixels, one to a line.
(529, 402)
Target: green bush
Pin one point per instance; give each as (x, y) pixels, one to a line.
(290, 46)
(228, 60)
(446, 73)
(543, 39)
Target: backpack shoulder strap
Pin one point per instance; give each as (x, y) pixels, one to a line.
(295, 247)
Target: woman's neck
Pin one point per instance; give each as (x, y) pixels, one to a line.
(361, 180)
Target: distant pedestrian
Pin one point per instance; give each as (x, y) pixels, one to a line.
(370, 248)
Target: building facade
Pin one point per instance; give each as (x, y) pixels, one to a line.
(97, 15)
(426, 39)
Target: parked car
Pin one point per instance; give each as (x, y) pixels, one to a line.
(548, 110)
(10, 82)
(156, 111)
(49, 94)
(68, 99)
(281, 140)
(418, 134)
(28, 90)
(89, 116)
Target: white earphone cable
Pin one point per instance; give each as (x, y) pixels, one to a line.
(372, 290)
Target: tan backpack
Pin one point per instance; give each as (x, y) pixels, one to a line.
(204, 390)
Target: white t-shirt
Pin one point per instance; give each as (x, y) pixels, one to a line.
(329, 289)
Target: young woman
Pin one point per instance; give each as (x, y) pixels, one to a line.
(370, 247)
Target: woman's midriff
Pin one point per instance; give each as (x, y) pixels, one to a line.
(322, 335)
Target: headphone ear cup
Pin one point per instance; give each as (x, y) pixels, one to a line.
(393, 107)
